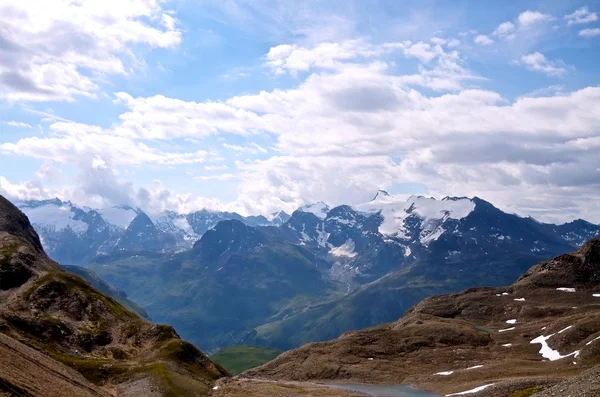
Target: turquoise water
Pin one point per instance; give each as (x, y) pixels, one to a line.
(385, 391)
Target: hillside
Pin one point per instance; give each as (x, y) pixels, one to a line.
(237, 359)
(534, 333)
(53, 323)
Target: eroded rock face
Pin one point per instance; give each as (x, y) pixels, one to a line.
(12, 275)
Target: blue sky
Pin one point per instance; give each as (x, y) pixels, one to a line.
(257, 106)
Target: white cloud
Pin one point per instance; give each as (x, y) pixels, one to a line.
(529, 18)
(73, 143)
(453, 43)
(538, 62)
(581, 16)
(18, 124)
(56, 51)
(30, 190)
(159, 117)
(483, 40)
(218, 177)
(252, 148)
(438, 40)
(216, 167)
(590, 32)
(343, 132)
(504, 29)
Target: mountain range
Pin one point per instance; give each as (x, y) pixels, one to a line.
(73, 235)
(322, 272)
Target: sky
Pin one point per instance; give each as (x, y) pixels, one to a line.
(258, 106)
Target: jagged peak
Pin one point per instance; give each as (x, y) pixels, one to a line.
(380, 193)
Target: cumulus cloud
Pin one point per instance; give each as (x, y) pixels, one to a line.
(453, 43)
(30, 190)
(538, 62)
(530, 18)
(352, 125)
(483, 40)
(74, 143)
(57, 51)
(588, 33)
(252, 148)
(217, 177)
(581, 16)
(504, 29)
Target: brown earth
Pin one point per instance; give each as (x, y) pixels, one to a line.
(240, 387)
(460, 331)
(70, 324)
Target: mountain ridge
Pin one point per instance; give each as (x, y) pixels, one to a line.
(77, 328)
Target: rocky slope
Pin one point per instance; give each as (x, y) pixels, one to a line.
(543, 328)
(53, 323)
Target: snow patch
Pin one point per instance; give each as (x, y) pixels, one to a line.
(320, 209)
(395, 210)
(118, 216)
(58, 217)
(475, 390)
(445, 373)
(565, 329)
(507, 345)
(475, 367)
(565, 289)
(346, 249)
(592, 341)
(547, 352)
(520, 299)
(513, 321)
(506, 329)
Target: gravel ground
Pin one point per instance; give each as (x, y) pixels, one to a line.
(585, 385)
(141, 387)
(506, 388)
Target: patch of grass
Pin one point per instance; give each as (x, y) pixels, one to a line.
(484, 329)
(527, 392)
(64, 282)
(237, 359)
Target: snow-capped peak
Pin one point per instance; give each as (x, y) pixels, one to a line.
(54, 214)
(320, 209)
(431, 212)
(120, 216)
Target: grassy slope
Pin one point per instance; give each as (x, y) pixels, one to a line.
(237, 359)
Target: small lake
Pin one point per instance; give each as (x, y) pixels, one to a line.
(384, 391)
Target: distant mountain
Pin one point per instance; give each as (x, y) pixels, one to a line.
(232, 280)
(516, 340)
(74, 235)
(326, 270)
